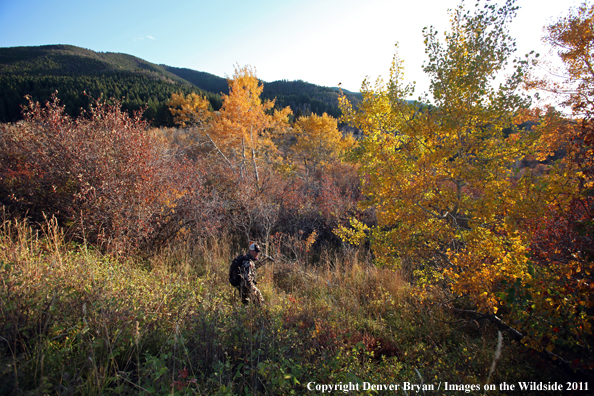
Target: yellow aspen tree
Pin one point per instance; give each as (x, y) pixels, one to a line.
(244, 128)
(242, 133)
(439, 172)
(192, 113)
(318, 142)
(191, 109)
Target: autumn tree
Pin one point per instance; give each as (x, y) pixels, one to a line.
(192, 109)
(241, 132)
(559, 293)
(242, 136)
(571, 38)
(317, 142)
(451, 201)
(439, 173)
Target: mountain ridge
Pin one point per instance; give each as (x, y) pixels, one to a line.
(39, 71)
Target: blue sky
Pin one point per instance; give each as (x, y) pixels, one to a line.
(324, 42)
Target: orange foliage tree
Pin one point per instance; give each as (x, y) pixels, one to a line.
(242, 135)
(242, 132)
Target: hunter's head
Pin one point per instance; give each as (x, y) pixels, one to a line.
(254, 250)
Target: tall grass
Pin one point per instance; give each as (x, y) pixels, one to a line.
(73, 321)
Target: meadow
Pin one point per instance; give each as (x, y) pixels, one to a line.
(76, 321)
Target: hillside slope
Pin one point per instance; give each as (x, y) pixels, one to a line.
(79, 74)
(59, 60)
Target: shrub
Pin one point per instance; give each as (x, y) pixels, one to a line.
(101, 175)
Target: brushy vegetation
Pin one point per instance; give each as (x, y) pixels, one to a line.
(74, 321)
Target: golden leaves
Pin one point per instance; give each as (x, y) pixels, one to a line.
(317, 142)
(355, 235)
(242, 132)
(441, 177)
(189, 110)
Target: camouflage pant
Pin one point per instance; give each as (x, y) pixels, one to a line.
(248, 290)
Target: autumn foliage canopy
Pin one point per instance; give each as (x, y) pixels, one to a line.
(453, 203)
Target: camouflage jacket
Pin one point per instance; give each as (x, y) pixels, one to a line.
(242, 267)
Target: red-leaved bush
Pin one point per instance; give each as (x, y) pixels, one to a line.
(102, 176)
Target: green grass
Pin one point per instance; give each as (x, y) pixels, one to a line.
(73, 321)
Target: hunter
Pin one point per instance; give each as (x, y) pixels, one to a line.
(242, 275)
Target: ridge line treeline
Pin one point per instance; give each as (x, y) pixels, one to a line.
(40, 71)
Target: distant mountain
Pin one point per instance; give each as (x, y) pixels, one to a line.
(58, 60)
(80, 74)
(74, 71)
(305, 98)
(206, 81)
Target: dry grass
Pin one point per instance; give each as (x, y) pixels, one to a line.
(76, 322)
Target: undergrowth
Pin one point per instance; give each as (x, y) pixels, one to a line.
(73, 321)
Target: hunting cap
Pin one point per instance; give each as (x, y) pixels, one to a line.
(255, 247)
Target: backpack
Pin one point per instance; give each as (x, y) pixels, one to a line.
(234, 275)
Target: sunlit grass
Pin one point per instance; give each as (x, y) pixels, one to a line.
(75, 321)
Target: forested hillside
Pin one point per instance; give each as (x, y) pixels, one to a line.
(305, 98)
(80, 75)
(206, 81)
